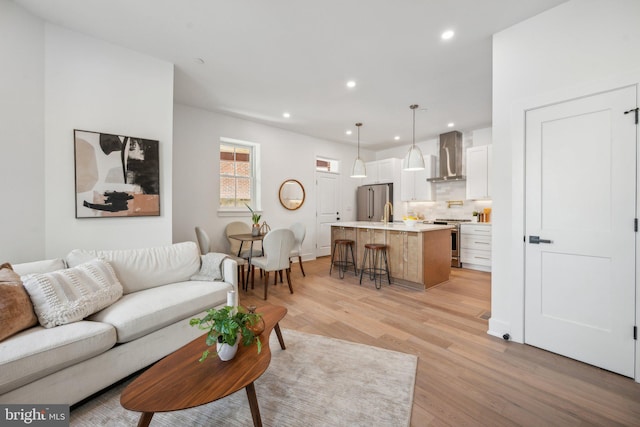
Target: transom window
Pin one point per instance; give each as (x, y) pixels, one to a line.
(238, 168)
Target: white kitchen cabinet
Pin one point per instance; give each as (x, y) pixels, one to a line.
(382, 171)
(414, 186)
(475, 246)
(479, 172)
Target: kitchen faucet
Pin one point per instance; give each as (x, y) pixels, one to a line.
(388, 211)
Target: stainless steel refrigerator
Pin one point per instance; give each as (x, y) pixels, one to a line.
(370, 201)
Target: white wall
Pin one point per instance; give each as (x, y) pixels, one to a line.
(284, 155)
(576, 49)
(21, 135)
(96, 86)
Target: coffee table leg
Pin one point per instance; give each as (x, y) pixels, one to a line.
(279, 334)
(145, 419)
(253, 404)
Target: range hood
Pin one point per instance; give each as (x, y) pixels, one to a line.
(450, 158)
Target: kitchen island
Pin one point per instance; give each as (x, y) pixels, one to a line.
(419, 256)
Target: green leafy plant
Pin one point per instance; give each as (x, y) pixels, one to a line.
(255, 218)
(224, 325)
(475, 213)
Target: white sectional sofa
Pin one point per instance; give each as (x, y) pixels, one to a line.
(67, 363)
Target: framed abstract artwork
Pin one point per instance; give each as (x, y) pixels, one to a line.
(116, 175)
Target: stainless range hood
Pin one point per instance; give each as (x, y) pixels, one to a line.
(450, 159)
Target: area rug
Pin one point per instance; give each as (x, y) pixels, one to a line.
(316, 381)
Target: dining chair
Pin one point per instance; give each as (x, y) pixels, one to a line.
(299, 232)
(204, 243)
(277, 246)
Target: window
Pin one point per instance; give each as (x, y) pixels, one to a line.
(238, 174)
(324, 164)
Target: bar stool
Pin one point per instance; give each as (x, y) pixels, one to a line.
(376, 252)
(342, 247)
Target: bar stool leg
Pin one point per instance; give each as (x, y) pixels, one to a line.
(341, 259)
(333, 254)
(353, 260)
(386, 266)
(364, 264)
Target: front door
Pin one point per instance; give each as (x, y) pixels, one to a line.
(580, 240)
(328, 210)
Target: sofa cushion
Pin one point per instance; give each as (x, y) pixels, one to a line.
(210, 267)
(44, 266)
(70, 295)
(38, 352)
(143, 312)
(16, 310)
(146, 268)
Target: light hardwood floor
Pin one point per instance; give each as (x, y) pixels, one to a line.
(465, 377)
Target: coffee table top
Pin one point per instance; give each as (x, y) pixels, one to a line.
(179, 381)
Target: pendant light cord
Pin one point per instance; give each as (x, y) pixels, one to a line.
(413, 107)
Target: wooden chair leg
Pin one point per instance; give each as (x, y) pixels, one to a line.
(253, 275)
(280, 276)
(275, 278)
(301, 269)
(289, 280)
(266, 284)
(242, 282)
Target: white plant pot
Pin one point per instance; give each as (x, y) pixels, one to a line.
(225, 351)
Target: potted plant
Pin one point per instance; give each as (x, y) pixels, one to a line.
(226, 327)
(255, 218)
(475, 216)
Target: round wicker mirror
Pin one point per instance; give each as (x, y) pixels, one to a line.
(291, 194)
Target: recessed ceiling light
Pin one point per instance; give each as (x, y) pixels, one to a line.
(351, 84)
(286, 115)
(447, 35)
(397, 138)
(451, 124)
(348, 132)
(198, 61)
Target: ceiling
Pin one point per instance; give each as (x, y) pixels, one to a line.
(266, 57)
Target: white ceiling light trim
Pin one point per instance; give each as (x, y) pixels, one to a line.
(447, 35)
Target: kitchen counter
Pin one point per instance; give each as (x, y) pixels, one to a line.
(398, 226)
(419, 257)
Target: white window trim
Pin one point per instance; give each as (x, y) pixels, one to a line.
(256, 182)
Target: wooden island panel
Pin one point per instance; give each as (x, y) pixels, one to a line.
(417, 259)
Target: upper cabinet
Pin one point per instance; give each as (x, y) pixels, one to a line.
(479, 172)
(382, 171)
(414, 186)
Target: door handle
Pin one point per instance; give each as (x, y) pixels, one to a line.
(536, 239)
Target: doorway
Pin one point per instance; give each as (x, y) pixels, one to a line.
(580, 208)
(327, 209)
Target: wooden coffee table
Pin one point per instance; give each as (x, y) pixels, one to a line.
(179, 381)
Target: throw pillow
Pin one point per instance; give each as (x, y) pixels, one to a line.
(210, 267)
(70, 295)
(16, 311)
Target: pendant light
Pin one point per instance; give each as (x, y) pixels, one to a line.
(359, 169)
(413, 161)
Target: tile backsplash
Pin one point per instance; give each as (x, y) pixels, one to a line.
(445, 192)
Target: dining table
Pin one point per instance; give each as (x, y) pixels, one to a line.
(247, 237)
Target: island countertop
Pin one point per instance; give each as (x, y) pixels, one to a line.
(397, 226)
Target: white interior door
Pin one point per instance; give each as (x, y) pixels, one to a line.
(328, 210)
(581, 196)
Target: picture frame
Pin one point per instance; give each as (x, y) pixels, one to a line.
(115, 175)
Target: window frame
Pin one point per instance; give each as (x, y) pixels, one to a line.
(255, 180)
